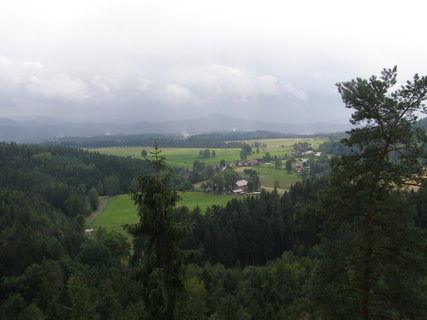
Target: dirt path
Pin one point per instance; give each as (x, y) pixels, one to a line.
(95, 214)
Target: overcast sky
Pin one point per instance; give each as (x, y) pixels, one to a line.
(90, 60)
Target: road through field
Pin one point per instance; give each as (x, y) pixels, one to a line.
(97, 212)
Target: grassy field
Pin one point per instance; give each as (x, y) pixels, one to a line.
(268, 176)
(175, 157)
(184, 157)
(285, 143)
(120, 210)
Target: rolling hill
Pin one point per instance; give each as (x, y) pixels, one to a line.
(40, 131)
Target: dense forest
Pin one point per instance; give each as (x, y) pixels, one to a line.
(50, 269)
(256, 258)
(346, 245)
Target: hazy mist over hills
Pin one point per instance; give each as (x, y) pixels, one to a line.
(41, 130)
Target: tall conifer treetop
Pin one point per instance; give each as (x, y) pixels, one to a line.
(373, 261)
(156, 239)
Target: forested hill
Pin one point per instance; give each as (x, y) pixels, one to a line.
(39, 130)
(45, 193)
(50, 270)
(256, 258)
(64, 176)
(224, 139)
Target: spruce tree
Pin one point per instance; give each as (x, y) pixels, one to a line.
(288, 165)
(156, 239)
(374, 258)
(93, 198)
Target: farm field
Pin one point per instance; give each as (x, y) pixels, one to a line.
(175, 157)
(269, 176)
(120, 210)
(285, 143)
(184, 157)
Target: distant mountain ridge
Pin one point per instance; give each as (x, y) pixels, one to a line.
(39, 131)
(219, 122)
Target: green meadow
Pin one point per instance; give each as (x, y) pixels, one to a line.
(184, 158)
(285, 143)
(120, 210)
(269, 175)
(175, 157)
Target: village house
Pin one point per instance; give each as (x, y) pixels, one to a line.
(296, 152)
(252, 162)
(308, 153)
(322, 138)
(302, 164)
(241, 186)
(245, 163)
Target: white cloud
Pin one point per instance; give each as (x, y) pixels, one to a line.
(266, 85)
(177, 95)
(33, 77)
(222, 80)
(295, 92)
(59, 86)
(144, 85)
(105, 83)
(14, 71)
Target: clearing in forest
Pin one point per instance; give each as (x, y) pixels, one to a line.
(184, 158)
(120, 210)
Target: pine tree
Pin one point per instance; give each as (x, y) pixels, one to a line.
(93, 197)
(288, 165)
(156, 239)
(277, 163)
(374, 258)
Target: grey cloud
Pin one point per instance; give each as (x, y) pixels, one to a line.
(59, 86)
(15, 72)
(105, 83)
(181, 93)
(219, 80)
(123, 60)
(177, 95)
(35, 78)
(144, 84)
(295, 92)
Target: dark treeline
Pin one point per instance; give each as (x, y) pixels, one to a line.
(256, 258)
(254, 230)
(246, 135)
(131, 141)
(45, 193)
(50, 270)
(205, 140)
(334, 148)
(64, 176)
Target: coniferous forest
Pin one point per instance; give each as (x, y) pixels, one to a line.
(346, 243)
